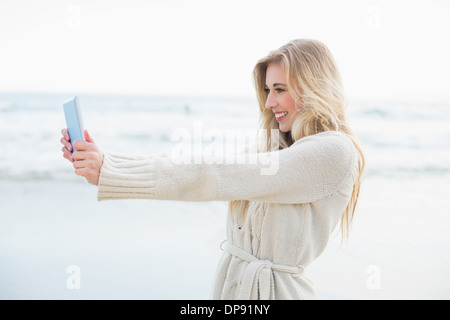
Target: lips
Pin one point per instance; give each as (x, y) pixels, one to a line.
(280, 115)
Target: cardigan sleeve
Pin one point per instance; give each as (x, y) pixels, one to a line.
(312, 168)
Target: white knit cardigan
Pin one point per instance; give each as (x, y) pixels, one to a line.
(291, 214)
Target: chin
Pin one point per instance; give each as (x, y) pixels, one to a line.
(284, 129)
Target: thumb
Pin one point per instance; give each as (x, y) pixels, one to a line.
(88, 137)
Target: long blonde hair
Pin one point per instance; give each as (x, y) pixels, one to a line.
(315, 84)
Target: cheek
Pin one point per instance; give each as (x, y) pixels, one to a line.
(290, 105)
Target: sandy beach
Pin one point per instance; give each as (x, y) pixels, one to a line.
(148, 249)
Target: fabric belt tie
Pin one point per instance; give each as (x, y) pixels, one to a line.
(258, 273)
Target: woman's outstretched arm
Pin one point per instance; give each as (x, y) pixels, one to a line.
(312, 168)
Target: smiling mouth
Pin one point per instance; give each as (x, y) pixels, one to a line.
(280, 116)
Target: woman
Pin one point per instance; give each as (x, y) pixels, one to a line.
(278, 223)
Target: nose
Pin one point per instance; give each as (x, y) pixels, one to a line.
(271, 101)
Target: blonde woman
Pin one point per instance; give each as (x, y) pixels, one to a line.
(278, 223)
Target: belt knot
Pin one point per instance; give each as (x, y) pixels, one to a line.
(258, 273)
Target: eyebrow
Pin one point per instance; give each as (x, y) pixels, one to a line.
(277, 84)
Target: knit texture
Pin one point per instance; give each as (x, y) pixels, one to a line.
(294, 207)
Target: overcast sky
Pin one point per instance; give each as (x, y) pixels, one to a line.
(385, 49)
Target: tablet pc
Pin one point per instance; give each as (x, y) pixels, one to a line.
(74, 121)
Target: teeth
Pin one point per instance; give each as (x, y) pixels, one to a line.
(279, 115)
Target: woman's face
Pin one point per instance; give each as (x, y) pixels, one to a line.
(279, 100)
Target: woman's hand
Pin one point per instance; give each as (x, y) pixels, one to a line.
(67, 147)
(88, 158)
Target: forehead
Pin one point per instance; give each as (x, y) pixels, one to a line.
(275, 74)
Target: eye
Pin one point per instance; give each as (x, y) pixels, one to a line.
(278, 90)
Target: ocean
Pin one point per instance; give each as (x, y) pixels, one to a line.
(58, 242)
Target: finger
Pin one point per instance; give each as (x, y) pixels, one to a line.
(77, 164)
(88, 137)
(84, 164)
(67, 154)
(80, 155)
(81, 145)
(65, 133)
(66, 144)
(84, 172)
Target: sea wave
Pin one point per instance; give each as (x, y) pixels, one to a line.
(401, 111)
(388, 172)
(398, 138)
(7, 106)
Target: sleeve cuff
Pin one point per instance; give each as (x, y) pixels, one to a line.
(126, 177)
